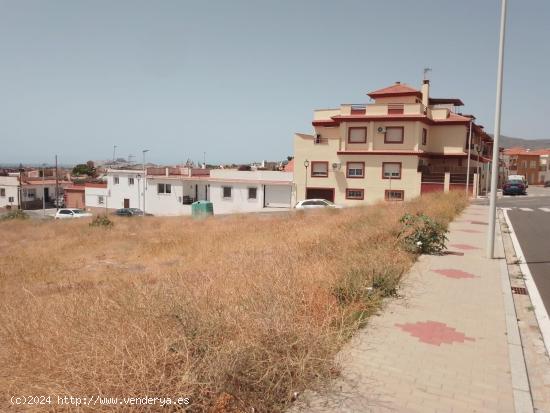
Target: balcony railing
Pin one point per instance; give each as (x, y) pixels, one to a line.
(319, 140)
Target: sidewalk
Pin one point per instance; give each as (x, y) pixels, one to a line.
(443, 346)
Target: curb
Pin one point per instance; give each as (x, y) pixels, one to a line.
(540, 310)
(523, 400)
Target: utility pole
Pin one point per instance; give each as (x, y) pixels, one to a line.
(496, 138)
(144, 178)
(56, 185)
(43, 190)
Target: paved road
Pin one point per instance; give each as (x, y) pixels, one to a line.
(530, 217)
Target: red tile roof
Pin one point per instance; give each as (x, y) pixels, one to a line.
(520, 151)
(399, 89)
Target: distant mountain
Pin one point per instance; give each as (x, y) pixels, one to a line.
(510, 142)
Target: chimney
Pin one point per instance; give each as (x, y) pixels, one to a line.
(426, 92)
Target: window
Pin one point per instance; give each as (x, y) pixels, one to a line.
(533, 164)
(391, 170)
(100, 199)
(226, 191)
(164, 188)
(394, 195)
(252, 193)
(355, 170)
(319, 169)
(2, 192)
(31, 193)
(424, 136)
(357, 135)
(394, 134)
(396, 109)
(355, 193)
(115, 180)
(10, 199)
(130, 181)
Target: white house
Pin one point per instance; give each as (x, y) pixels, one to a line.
(170, 191)
(9, 189)
(96, 196)
(33, 190)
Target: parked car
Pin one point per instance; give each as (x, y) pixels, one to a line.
(65, 213)
(547, 184)
(130, 212)
(514, 187)
(519, 177)
(316, 203)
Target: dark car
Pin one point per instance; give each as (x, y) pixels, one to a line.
(547, 184)
(514, 187)
(124, 212)
(130, 212)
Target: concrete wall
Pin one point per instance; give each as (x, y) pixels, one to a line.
(118, 192)
(94, 196)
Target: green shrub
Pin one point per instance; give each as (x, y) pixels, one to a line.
(17, 214)
(102, 221)
(422, 234)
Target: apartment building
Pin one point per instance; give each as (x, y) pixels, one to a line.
(401, 145)
(533, 164)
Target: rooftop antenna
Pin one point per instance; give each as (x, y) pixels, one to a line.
(426, 70)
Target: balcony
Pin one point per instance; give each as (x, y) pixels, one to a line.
(319, 140)
(382, 109)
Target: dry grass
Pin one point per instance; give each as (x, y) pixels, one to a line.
(234, 312)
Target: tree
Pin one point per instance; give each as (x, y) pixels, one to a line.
(85, 169)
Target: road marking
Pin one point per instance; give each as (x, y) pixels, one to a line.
(545, 209)
(540, 310)
(526, 209)
(506, 209)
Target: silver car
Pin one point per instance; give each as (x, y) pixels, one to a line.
(66, 213)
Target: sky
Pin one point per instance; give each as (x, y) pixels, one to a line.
(236, 79)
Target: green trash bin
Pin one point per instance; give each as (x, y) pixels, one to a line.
(201, 209)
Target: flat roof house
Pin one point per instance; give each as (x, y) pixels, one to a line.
(403, 144)
(171, 190)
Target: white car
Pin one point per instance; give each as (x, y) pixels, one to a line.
(65, 213)
(316, 203)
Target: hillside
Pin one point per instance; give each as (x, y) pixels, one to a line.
(509, 142)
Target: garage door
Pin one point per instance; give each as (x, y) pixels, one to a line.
(278, 196)
(322, 193)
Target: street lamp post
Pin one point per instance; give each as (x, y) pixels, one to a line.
(468, 161)
(144, 178)
(498, 105)
(306, 164)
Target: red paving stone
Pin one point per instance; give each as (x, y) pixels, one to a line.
(434, 332)
(452, 273)
(470, 231)
(465, 247)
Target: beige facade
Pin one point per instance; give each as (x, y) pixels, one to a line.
(387, 149)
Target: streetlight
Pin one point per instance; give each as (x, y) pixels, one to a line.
(114, 150)
(498, 105)
(144, 178)
(468, 161)
(306, 164)
(139, 189)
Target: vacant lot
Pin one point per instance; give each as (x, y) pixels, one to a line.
(233, 312)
